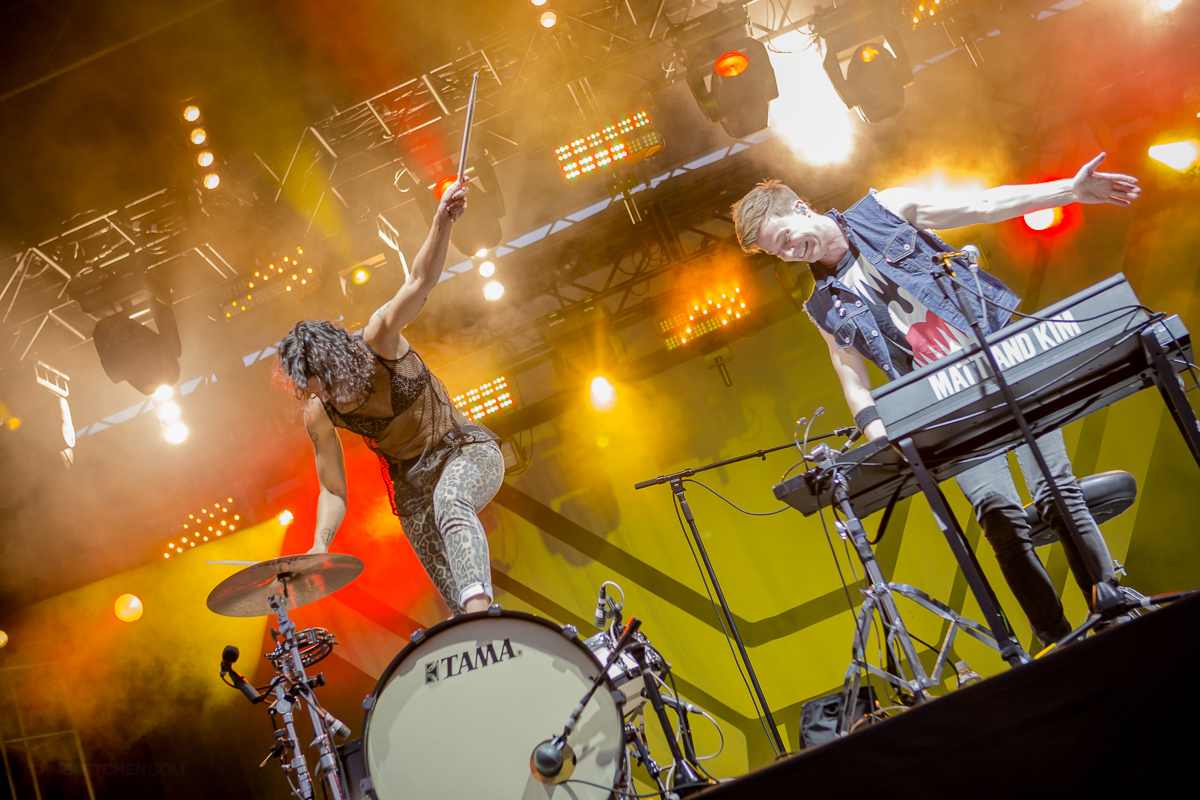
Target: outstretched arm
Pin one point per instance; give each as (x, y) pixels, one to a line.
(331, 474)
(856, 384)
(947, 210)
(383, 331)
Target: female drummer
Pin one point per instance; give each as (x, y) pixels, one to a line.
(441, 469)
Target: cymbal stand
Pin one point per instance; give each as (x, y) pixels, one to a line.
(879, 596)
(294, 683)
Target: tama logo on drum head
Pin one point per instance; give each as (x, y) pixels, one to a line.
(456, 664)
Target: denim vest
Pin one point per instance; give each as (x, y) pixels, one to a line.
(904, 254)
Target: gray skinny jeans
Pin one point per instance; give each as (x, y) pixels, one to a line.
(990, 489)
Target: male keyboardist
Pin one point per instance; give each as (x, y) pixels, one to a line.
(875, 298)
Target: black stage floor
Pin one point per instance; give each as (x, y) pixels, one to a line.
(1111, 716)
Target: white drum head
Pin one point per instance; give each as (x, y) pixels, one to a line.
(458, 714)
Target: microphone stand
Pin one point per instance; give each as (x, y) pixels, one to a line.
(1104, 599)
(676, 482)
(547, 760)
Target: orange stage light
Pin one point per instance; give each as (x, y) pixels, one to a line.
(285, 518)
(3, 638)
(868, 53)
(128, 608)
(602, 394)
(1179, 156)
(441, 186)
(731, 64)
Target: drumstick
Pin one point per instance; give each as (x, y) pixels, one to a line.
(462, 158)
(233, 563)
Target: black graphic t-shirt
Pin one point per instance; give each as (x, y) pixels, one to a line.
(915, 335)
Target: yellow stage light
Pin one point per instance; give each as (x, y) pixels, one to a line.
(198, 136)
(360, 276)
(176, 432)
(285, 518)
(1046, 218)
(808, 114)
(1180, 156)
(205, 158)
(487, 269)
(493, 290)
(868, 54)
(602, 394)
(128, 608)
(191, 113)
(548, 19)
(13, 423)
(211, 181)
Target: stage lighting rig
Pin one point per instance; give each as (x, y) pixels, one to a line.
(286, 274)
(199, 138)
(127, 297)
(865, 60)
(480, 228)
(728, 71)
(710, 311)
(486, 400)
(626, 141)
(209, 523)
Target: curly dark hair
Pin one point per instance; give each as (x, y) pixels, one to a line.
(341, 363)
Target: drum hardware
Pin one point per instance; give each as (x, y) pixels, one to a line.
(277, 584)
(880, 598)
(635, 740)
(459, 712)
(685, 780)
(623, 671)
(551, 757)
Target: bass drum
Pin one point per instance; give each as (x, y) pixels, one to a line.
(458, 713)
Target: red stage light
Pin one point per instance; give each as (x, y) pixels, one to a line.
(731, 64)
(441, 186)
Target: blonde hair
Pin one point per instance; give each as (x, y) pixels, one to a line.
(768, 199)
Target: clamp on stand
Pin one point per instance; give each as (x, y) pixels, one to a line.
(880, 598)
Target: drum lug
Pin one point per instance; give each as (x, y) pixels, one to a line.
(570, 631)
(366, 788)
(494, 610)
(368, 701)
(417, 635)
(618, 697)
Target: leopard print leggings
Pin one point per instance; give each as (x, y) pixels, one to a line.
(446, 532)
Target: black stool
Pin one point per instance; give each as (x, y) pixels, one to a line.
(1107, 494)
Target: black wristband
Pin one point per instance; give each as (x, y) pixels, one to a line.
(865, 417)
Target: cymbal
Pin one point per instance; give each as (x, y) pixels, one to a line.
(306, 578)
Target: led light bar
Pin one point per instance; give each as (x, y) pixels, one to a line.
(629, 140)
(210, 522)
(716, 310)
(282, 276)
(488, 399)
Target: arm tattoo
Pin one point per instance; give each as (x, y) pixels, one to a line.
(325, 536)
(379, 312)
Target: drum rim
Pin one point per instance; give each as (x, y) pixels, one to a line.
(458, 620)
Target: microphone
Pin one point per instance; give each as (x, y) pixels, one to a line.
(228, 657)
(336, 726)
(972, 253)
(854, 436)
(601, 615)
(549, 758)
(678, 705)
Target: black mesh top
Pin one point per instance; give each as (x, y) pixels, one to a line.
(410, 423)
